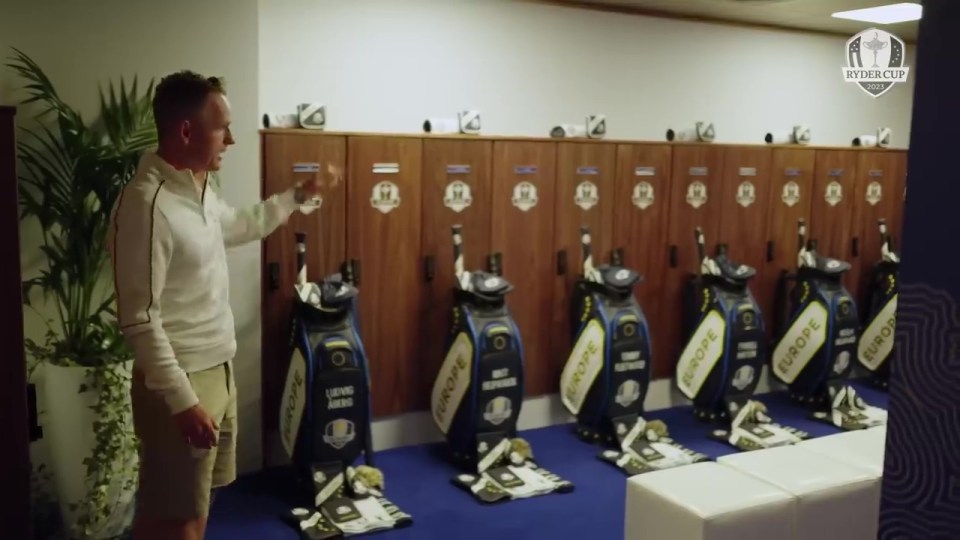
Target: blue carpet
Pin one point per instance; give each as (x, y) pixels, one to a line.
(418, 481)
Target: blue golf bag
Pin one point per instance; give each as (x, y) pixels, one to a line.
(720, 365)
(325, 412)
(817, 336)
(478, 392)
(607, 374)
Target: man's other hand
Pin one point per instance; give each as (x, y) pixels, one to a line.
(197, 427)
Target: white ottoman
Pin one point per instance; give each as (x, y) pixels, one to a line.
(864, 448)
(705, 501)
(834, 500)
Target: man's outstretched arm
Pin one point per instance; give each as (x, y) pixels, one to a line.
(140, 248)
(256, 222)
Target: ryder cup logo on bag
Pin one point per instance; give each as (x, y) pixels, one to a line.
(875, 61)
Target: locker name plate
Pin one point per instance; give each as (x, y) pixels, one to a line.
(306, 167)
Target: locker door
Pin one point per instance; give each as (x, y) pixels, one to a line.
(878, 195)
(896, 228)
(456, 190)
(524, 176)
(584, 196)
(791, 197)
(745, 208)
(832, 210)
(695, 191)
(384, 213)
(641, 212)
(326, 240)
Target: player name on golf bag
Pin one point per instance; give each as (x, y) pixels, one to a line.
(815, 348)
(606, 377)
(720, 365)
(478, 392)
(325, 413)
(875, 349)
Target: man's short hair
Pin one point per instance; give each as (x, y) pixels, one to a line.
(180, 95)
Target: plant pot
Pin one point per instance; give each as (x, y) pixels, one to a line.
(68, 427)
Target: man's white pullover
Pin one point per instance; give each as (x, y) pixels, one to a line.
(167, 244)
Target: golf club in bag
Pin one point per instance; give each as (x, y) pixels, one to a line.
(875, 349)
(325, 412)
(478, 392)
(817, 333)
(726, 347)
(605, 380)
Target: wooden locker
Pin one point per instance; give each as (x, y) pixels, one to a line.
(383, 235)
(641, 213)
(695, 201)
(832, 209)
(744, 201)
(896, 227)
(524, 175)
(283, 156)
(586, 174)
(456, 190)
(790, 199)
(878, 195)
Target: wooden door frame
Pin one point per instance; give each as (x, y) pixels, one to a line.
(15, 452)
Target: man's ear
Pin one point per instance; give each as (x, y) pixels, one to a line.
(186, 130)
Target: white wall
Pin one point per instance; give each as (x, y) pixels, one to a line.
(384, 65)
(84, 44)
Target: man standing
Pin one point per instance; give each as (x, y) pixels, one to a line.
(169, 230)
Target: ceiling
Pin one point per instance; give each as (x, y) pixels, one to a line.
(810, 15)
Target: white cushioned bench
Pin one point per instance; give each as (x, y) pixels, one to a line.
(834, 500)
(705, 501)
(863, 448)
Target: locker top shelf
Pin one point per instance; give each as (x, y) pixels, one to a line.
(579, 140)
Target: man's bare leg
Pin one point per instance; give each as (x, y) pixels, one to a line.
(169, 529)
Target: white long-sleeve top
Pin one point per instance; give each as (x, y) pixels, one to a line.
(167, 244)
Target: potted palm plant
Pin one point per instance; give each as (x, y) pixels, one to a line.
(71, 172)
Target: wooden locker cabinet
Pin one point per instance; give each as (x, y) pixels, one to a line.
(457, 189)
(326, 249)
(790, 199)
(585, 187)
(383, 235)
(879, 194)
(695, 201)
(744, 202)
(522, 221)
(833, 207)
(641, 211)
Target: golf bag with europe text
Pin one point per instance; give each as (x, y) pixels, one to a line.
(726, 346)
(605, 380)
(325, 412)
(478, 392)
(875, 350)
(817, 331)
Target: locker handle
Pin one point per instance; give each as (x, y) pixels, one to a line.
(673, 256)
(346, 271)
(492, 263)
(769, 250)
(561, 262)
(274, 275)
(429, 268)
(498, 264)
(855, 247)
(616, 258)
(355, 266)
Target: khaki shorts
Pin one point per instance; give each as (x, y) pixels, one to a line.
(175, 478)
